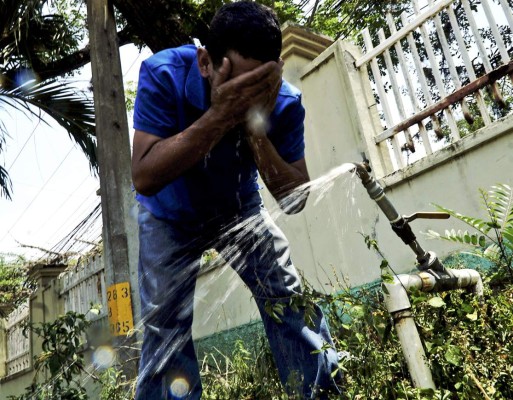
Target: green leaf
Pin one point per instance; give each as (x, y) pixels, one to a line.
(453, 355)
(358, 311)
(508, 235)
(427, 391)
(387, 277)
(482, 241)
(473, 316)
(436, 302)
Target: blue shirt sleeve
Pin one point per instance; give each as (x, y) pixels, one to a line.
(155, 109)
(287, 129)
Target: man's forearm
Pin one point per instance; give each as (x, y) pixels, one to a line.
(166, 159)
(280, 177)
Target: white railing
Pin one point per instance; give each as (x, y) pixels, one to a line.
(83, 286)
(440, 74)
(18, 344)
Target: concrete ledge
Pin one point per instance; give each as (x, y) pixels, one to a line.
(302, 41)
(468, 143)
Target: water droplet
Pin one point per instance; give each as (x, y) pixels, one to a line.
(179, 388)
(134, 212)
(104, 357)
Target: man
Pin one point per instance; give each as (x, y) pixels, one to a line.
(206, 120)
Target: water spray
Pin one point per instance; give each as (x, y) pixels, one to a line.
(432, 277)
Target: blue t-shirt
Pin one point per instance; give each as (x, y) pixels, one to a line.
(171, 95)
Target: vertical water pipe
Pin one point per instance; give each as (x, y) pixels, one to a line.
(399, 307)
(433, 277)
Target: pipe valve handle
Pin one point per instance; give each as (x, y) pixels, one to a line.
(427, 215)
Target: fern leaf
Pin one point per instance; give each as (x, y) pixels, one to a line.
(492, 252)
(459, 236)
(507, 235)
(501, 205)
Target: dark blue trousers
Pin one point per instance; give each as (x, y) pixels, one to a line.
(258, 251)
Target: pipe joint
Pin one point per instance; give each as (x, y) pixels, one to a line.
(396, 296)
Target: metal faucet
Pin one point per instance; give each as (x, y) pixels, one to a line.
(400, 223)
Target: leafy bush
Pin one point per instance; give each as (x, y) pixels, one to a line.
(61, 360)
(243, 374)
(15, 283)
(468, 341)
(492, 238)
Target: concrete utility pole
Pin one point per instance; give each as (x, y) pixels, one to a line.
(119, 240)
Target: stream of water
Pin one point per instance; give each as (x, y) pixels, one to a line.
(238, 247)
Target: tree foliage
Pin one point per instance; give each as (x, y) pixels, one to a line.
(34, 41)
(15, 283)
(61, 362)
(345, 19)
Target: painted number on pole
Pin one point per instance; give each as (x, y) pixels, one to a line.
(119, 304)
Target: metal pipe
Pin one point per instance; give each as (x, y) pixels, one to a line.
(433, 281)
(398, 304)
(376, 192)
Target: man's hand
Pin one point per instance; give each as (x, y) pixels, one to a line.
(257, 117)
(234, 96)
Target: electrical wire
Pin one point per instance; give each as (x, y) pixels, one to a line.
(24, 144)
(37, 194)
(59, 208)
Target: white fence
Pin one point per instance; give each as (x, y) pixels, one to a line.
(446, 68)
(18, 343)
(84, 286)
(81, 287)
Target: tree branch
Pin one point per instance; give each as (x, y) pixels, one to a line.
(75, 60)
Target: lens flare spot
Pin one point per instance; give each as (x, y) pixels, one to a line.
(26, 78)
(179, 388)
(104, 357)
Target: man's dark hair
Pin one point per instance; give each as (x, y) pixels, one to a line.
(249, 28)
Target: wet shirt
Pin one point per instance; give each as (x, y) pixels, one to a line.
(171, 95)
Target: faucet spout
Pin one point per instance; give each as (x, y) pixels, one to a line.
(376, 192)
(362, 170)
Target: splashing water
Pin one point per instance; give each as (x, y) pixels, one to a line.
(324, 183)
(233, 252)
(318, 187)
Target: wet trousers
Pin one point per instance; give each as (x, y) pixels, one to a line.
(258, 251)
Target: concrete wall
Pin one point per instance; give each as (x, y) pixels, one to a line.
(44, 307)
